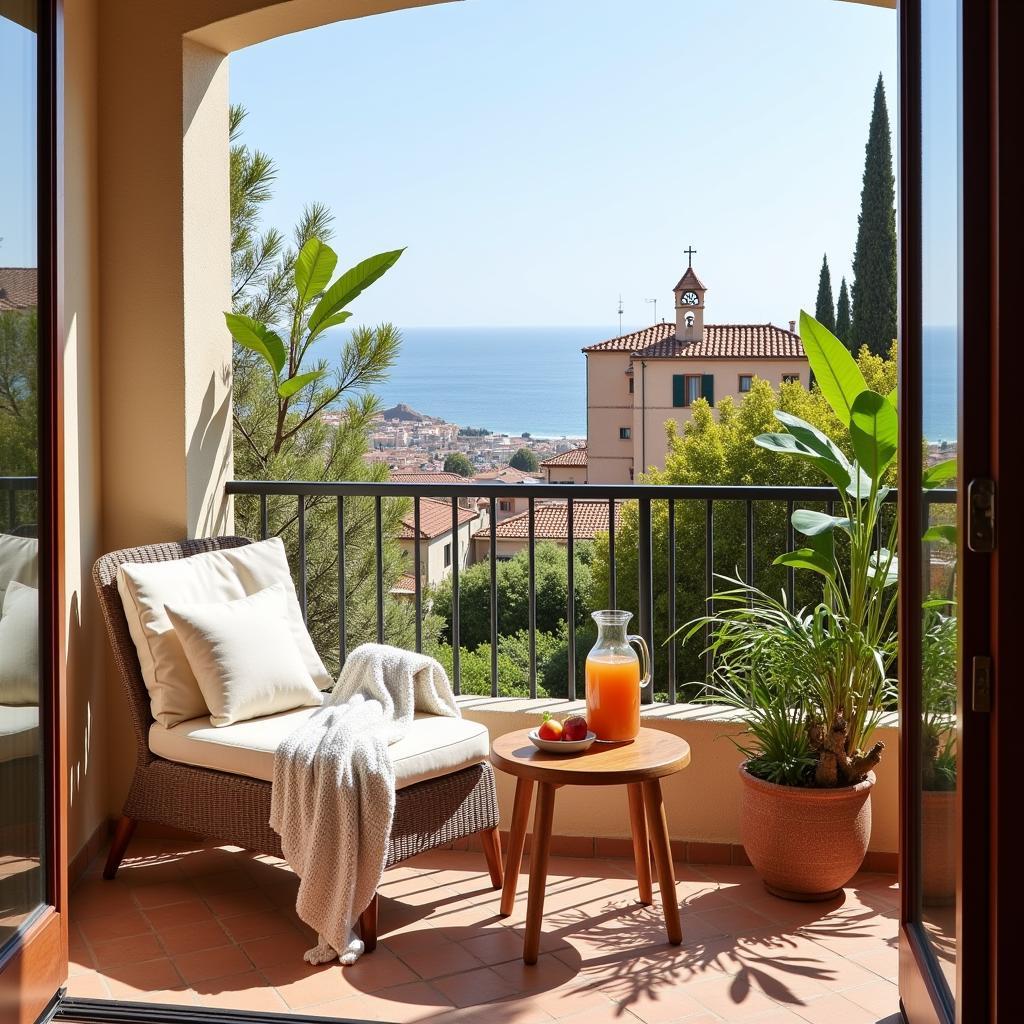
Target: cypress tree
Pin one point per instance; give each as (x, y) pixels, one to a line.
(824, 310)
(873, 322)
(842, 331)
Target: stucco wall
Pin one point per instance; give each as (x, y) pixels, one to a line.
(609, 407)
(566, 474)
(653, 406)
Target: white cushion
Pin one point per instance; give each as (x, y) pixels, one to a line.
(19, 560)
(214, 576)
(433, 746)
(19, 733)
(19, 645)
(243, 656)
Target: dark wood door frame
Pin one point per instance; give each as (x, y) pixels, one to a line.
(32, 972)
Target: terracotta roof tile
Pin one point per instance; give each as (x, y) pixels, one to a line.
(589, 518)
(18, 288)
(405, 584)
(400, 476)
(505, 475)
(720, 341)
(689, 280)
(573, 457)
(435, 519)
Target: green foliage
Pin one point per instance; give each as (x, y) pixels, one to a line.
(525, 460)
(457, 462)
(874, 261)
(824, 308)
(939, 650)
(718, 448)
(282, 300)
(19, 405)
(474, 432)
(842, 331)
(836, 656)
(512, 583)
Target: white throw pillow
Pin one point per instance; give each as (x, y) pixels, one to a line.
(212, 577)
(244, 657)
(19, 645)
(19, 560)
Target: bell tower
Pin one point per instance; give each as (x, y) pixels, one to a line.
(689, 295)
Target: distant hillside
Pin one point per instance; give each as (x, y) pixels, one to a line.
(406, 413)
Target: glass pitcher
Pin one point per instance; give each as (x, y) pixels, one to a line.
(614, 678)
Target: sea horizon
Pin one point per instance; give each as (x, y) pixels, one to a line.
(532, 379)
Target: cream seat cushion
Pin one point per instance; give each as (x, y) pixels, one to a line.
(433, 746)
(19, 560)
(214, 576)
(19, 645)
(19, 732)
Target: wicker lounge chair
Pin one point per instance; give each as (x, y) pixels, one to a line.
(235, 809)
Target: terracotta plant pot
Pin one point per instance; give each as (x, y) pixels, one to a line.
(806, 844)
(938, 849)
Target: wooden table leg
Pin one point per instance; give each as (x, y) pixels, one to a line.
(641, 850)
(539, 850)
(657, 824)
(516, 842)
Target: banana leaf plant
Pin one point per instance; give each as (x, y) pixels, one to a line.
(831, 664)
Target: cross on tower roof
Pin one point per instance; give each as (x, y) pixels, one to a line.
(690, 253)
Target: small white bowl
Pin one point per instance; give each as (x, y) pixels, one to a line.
(561, 746)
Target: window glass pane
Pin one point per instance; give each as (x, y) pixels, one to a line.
(940, 243)
(21, 874)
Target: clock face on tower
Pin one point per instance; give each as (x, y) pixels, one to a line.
(689, 299)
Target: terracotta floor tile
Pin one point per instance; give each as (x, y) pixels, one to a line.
(438, 959)
(547, 974)
(734, 920)
(381, 969)
(136, 980)
(131, 950)
(403, 1004)
(230, 880)
(608, 1013)
(239, 901)
(190, 938)
(731, 997)
(240, 992)
(212, 963)
(495, 947)
(474, 987)
(276, 949)
(884, 963)
(94, 897)
(880, 997)
(257, 925)
(163, 893)
(151, 871)
(175, 914)
(114, 926)
(663, 1003)
(89, 985)
(302, 985)
(836, 1009)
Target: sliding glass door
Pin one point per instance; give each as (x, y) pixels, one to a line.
(32, 934)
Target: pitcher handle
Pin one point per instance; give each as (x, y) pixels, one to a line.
(645, 657)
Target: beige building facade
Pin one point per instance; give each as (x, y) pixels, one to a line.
(638, 382)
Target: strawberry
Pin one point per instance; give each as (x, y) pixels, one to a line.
(574, 728)
(550, 729)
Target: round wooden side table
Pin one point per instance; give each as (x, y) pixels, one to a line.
(639, 765)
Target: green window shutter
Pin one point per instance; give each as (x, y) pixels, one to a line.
(707, 388)
(678, 390)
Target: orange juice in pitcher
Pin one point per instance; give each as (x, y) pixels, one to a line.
(613, 678)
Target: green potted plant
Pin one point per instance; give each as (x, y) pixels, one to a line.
(938, 753)
(813, 683)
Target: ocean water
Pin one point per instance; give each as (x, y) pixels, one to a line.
(515, 379)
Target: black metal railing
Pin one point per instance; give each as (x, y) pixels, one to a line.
(711, 498)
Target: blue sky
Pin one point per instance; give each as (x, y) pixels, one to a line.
(17, 155)
(538, 157)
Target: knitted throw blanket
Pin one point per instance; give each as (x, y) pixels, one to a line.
(333, 795)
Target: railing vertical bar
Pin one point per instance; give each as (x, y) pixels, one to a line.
(12, 508)
(570, 610)
(456, 649)
(378, 530)
(672, 600)
(709, 577)
(302, 555)
(264, 521)
(750, 549)
(493, 557)
(417, 568)
(645, 577)
(790, 545)
(612, 581)
(532, 589)
(342, 627)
